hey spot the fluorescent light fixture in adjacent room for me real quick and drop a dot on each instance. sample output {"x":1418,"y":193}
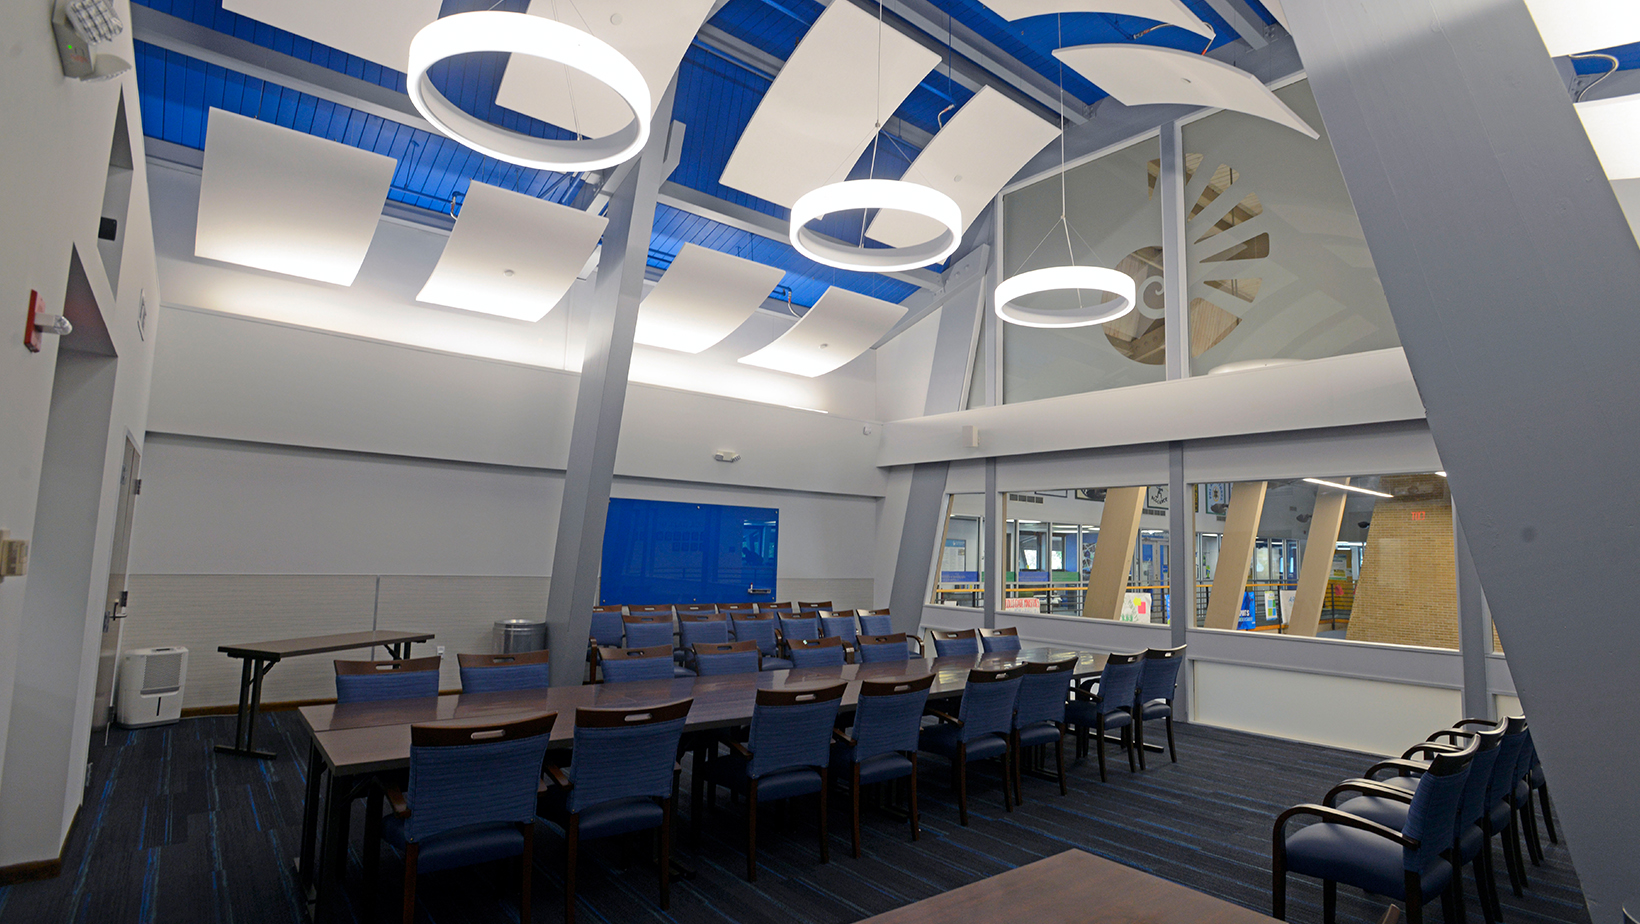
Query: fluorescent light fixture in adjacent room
{"x":1062,"y":279}
{"x":286,"y":201}
{"x":1572,"y":26}
{"x":1614,"y":129}
{"x":652,"y":34}
{"x":538,"y":37}
{"x":512,"y":255}
{"x":703,"y":296}
{"x":1172,"y":12}
{"x":375,"y":30}
{"x":841,"y":326}
{"x":822,"y":110}
{"x":980,"y":148}
{"x":1348,"y":487}
{"x":935,"y":208}
{"x":1142,"y":75}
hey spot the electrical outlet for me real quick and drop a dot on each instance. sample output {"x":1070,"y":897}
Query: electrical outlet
{"x":441,"y":651}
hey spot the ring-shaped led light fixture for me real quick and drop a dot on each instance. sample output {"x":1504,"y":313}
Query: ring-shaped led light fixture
{"x":896,"y":195}
{"x":538,"y":37}
{"x":1056,"y":278}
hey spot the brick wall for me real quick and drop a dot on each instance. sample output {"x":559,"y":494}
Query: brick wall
{"x":1407,"y":593}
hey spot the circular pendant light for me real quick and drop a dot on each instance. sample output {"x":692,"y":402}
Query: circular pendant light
{"x":895,"y":195}
{"x":537,"y":37}
{"x":1062,"y":278}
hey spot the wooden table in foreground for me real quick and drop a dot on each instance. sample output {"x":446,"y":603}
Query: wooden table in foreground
{"x":1073,"y":887}
{"x":260,"y":657}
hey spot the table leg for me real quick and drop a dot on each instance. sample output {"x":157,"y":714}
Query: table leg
{"x":310,"y":821}
{"x":332,"y":866}
{"x":250,"y":700}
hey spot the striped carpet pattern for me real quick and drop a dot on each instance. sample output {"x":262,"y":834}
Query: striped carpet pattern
{"x":173,"y":832}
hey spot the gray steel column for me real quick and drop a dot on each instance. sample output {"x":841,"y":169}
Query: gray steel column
{"x":995,"y":568}
{"x":1175,"y":281}
{"x":599,"y":403}
{"x":1181,"y":565}
{"x":1501,"y":245}
{"x":1474,"y":636}
{"x":912,"y":567}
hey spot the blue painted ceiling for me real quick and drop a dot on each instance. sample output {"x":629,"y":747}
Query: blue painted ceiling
{"x":717,"y":94}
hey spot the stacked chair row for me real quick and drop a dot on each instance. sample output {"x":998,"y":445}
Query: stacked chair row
{"x":1408,"y":826}
{"x":775,"y":630}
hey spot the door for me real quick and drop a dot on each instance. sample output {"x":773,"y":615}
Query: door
{"x":108,"y":656}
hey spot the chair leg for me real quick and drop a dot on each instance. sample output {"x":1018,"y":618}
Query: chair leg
{"x":1010,"y":765}
{"x":1454,"y":888}
{"x":751,"y":831}
{"x":1513,"y":838}
{"x":572,"y":844}
{"x":1548,"y":814}
{"x":961,"y":770}
{"x":372,"y":856}
{"x":668,"y":808}
{"x":1415,"y":900}
{"x":697,"y":793}
{"x":1478,"y":868}
{"x":1329,"y":901}
{"x":825,"y":842}
{"x":526,"y":864}
{"x":1449,"y":907}
{"x":1534,"y":844}
{"x":1139,"y":740}
{"x":1172,"y":752}
{"x":916,"y":827}
{"x":412,"y":851}
{"x":1099,"y":742}
{"x":855,"y":793}
{"x":1130,"y":732}
{"x":1491,"y":879}
{"x":1059,"y":759}
{"x":1278,"y":882}
{"x":1012,"y":779}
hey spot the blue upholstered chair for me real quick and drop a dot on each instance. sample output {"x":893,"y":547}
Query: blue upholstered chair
{"x":803,"y":605}
{"x":1157,"y":683}
{"x":874,"y":622}
{"x":1386,"y":803}
{"x":835,"y":625}
{"x":999,"y":639}
{"x":776,"y":609}
{"x":715,"y":658}
{"x":1410,"y":864}
{"x":620,"y":781}
{"x":369,"y":681}
{"x":955,"y":644}
{"x":786,"y":755}
{"x":646,"y":630}
{"x":1039,"y":715}
{"x":795,"y":628}
{"x":982,"y":728}
{"x":1110,"y":708}
{"x":882,"y":744}
{"x":817,"y":652}
{"x":731,"y":610}
{"x":762,"y":630}
{"x":490,"y":673}
{"x":875,"y":649}
{"x":700,"y":629}
{"x":622,"y":665}
{"x":695,"y":609}
{"x":471,"y":799}
{"x":606,"y":625}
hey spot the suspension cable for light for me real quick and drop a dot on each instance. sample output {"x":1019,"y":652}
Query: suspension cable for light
{"x":894,"y":195}
{"x":538,"y":37}
{"x":1065,"y":278}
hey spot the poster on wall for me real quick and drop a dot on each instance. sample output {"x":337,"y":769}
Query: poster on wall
{"x":1135,"y":608}
{"x":1244,"y":618}
{"x":1023,"y":604}
{"x":1287,"y":597}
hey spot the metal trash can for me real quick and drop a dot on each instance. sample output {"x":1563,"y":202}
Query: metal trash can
{"x":513,"y":635}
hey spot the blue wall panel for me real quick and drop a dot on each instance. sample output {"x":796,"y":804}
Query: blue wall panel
{"x":665,"y":552}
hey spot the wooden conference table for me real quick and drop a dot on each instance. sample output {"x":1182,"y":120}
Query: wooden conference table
{"x":356,"y":741}
{"x":1073,"y":887}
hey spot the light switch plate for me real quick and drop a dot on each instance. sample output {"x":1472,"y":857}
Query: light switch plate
{"x":13,"y":556}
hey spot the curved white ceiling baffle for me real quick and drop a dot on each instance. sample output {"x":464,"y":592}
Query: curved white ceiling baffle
{"x":286,"y":201}
{"x":821,"y":111}
{"x":652,"y":34}
{"x":1168,"y":11}
{"x":979,"y":149}
{"x":1276,"y":10}
{"x":511,"y":255}
{"x":1141,"y":75}
{"x":703,"y":296}
{"x":375,"y":30}
{"x":840,"y":326}
{"x":1572,"y":26}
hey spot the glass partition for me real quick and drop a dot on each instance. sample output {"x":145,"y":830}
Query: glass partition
{"x":960,"y":581}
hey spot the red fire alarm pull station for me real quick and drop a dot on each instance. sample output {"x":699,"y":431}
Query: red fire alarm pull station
{"x":31,"y":334}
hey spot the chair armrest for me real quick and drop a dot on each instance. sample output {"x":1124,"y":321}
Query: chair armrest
{"x":1334,"y":816}
{"x":1367,"y":788}
{"x":740,"y":749}
{"x":1401,"y":768}
{"x":558,"y":776}
{"x":842,"y":737}
{"x":943,"y":717}
{"x":1453,"y":735}
{"x":1465,"y":723}
{"x":1428,"y":749}
{"x":396,"y":800}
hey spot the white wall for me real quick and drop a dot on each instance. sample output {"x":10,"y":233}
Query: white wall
{"x":55,"y":149}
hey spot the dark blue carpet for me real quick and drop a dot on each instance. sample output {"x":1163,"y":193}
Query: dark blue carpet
{"x":172,"y":832}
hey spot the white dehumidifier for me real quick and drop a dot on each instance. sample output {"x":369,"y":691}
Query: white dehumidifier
{"x":151,"y":686}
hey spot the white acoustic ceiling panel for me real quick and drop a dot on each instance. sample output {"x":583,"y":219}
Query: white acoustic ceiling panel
{"x":1168,"y":11}
{"x":1614,"y":130}
{"x":1141,"y":75}
{"x":1276,"y":10}
{"x":652,"y":34}
{"x":840,"y":326}
{"x":375,"y":30}
{"x":979,"y":149}
{"x":512,"y":255}
{"x":702,"y":298}
{"x":287,"y":201}
{"x":822,"y":110}
{"x":1572,"y":26}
